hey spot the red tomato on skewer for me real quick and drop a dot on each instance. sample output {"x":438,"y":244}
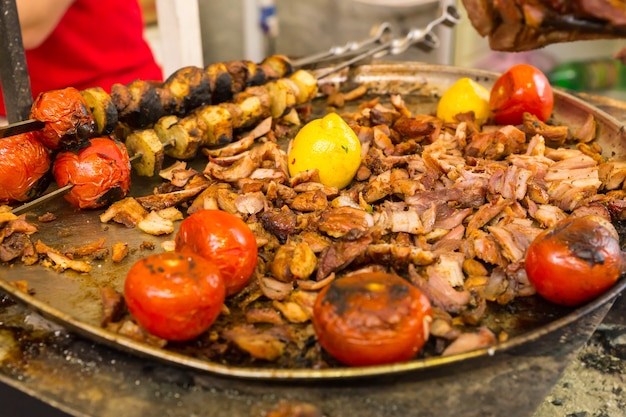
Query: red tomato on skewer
{"x":224,"y":239}
{"x":521,"y":89}
{"x":67,"y":117}
{"x":99,"y":172}
{"x":24,"y":162}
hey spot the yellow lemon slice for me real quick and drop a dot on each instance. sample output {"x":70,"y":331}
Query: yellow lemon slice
{"x":465,"y":95}
{"x":328,"y":145}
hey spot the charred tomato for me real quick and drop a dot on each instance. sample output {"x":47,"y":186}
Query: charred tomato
{"x":521,"y":89}
{"x":575,"y":261}
{"x":225,"y":240}
{"x":174,"y":296}
{"x":371,"y":318}
{"x":99,"y":172}
{"x":24,"y":163}
{"x":67,"y":118}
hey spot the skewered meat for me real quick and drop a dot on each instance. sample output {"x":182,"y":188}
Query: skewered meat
{"x":24,"y":163}
{"x":217,"y":124}
{"x":144,"y":103}
{"x":520,"y":25}
{"x":100,"y":173}
{"x":69,"y":114}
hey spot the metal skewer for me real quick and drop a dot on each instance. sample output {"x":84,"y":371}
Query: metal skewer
{"x":424,"y":36}
{"x":378,"y":33}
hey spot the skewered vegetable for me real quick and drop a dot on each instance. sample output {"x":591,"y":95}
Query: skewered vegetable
{"x":102,"y":108}
{"x":24,"y":163}
{"x":66,"y":114}
{"x":215,"y":125}
{"x":85,"y":113}
{"x":99,"y":173}
{"x":146,"y":145}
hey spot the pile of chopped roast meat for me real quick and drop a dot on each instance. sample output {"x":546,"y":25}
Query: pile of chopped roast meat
{"x":450,"y":207}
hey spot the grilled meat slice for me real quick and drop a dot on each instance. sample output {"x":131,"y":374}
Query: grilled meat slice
{"x":521,"y":25}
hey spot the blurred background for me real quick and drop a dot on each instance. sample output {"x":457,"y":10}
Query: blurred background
{"x":200,"y":32}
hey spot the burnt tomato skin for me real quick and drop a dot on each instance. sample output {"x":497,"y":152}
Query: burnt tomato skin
{"x":100,"y":173}
{"x":521,"y":89}
{"x":224,"y":239}
{"x":574,"y":262}
{"x":24,"y":163}
{"x":68,"y":121}
{"x":174,"y":296}
{"x":371,"y":318}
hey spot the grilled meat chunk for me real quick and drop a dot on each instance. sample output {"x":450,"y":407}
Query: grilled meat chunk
{"x":521,"y":25}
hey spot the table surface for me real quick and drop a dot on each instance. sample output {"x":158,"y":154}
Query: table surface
{"x":65,"y":374}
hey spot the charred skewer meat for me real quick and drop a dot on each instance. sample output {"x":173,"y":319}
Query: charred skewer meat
{"x":521,"y":25}
{"x":71,"y":117}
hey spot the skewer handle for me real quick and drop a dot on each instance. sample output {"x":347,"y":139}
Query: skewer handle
{"x":16,"y":90}
{"x":449,"y":16}
{"x":377,"y":34}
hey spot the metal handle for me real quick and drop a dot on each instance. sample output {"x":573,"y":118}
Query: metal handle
{"x":16,"y":89}
{"x":378,"y":33}
{"x":424,"y":36}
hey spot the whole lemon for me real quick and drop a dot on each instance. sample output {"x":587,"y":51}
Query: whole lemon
{"x":465,"y":95}
{"x":328,"y":145}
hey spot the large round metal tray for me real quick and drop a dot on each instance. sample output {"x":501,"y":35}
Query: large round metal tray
{"x":72,"y":299}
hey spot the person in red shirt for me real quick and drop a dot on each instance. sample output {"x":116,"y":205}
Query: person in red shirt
{"x":84,"y":43}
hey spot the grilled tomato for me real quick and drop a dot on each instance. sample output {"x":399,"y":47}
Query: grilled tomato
{"x":67,"y":118}
{"x":100,"y":173}
{"x":464,"y":96}
{"x":223,"y":239}
{"x":575,"y":261}
{"x":24,"y":162}
{"x":371,"y":318}
{"x":521,"y":89}
{"x":328,"y":145}
{"x":174,"y":296}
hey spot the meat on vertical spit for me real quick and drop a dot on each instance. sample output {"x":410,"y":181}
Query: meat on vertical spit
{"x":521,"y":25}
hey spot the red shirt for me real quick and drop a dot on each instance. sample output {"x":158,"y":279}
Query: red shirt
{"x":96,"y":43}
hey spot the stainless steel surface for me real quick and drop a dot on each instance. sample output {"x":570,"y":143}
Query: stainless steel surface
{"x":83,"y":377}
